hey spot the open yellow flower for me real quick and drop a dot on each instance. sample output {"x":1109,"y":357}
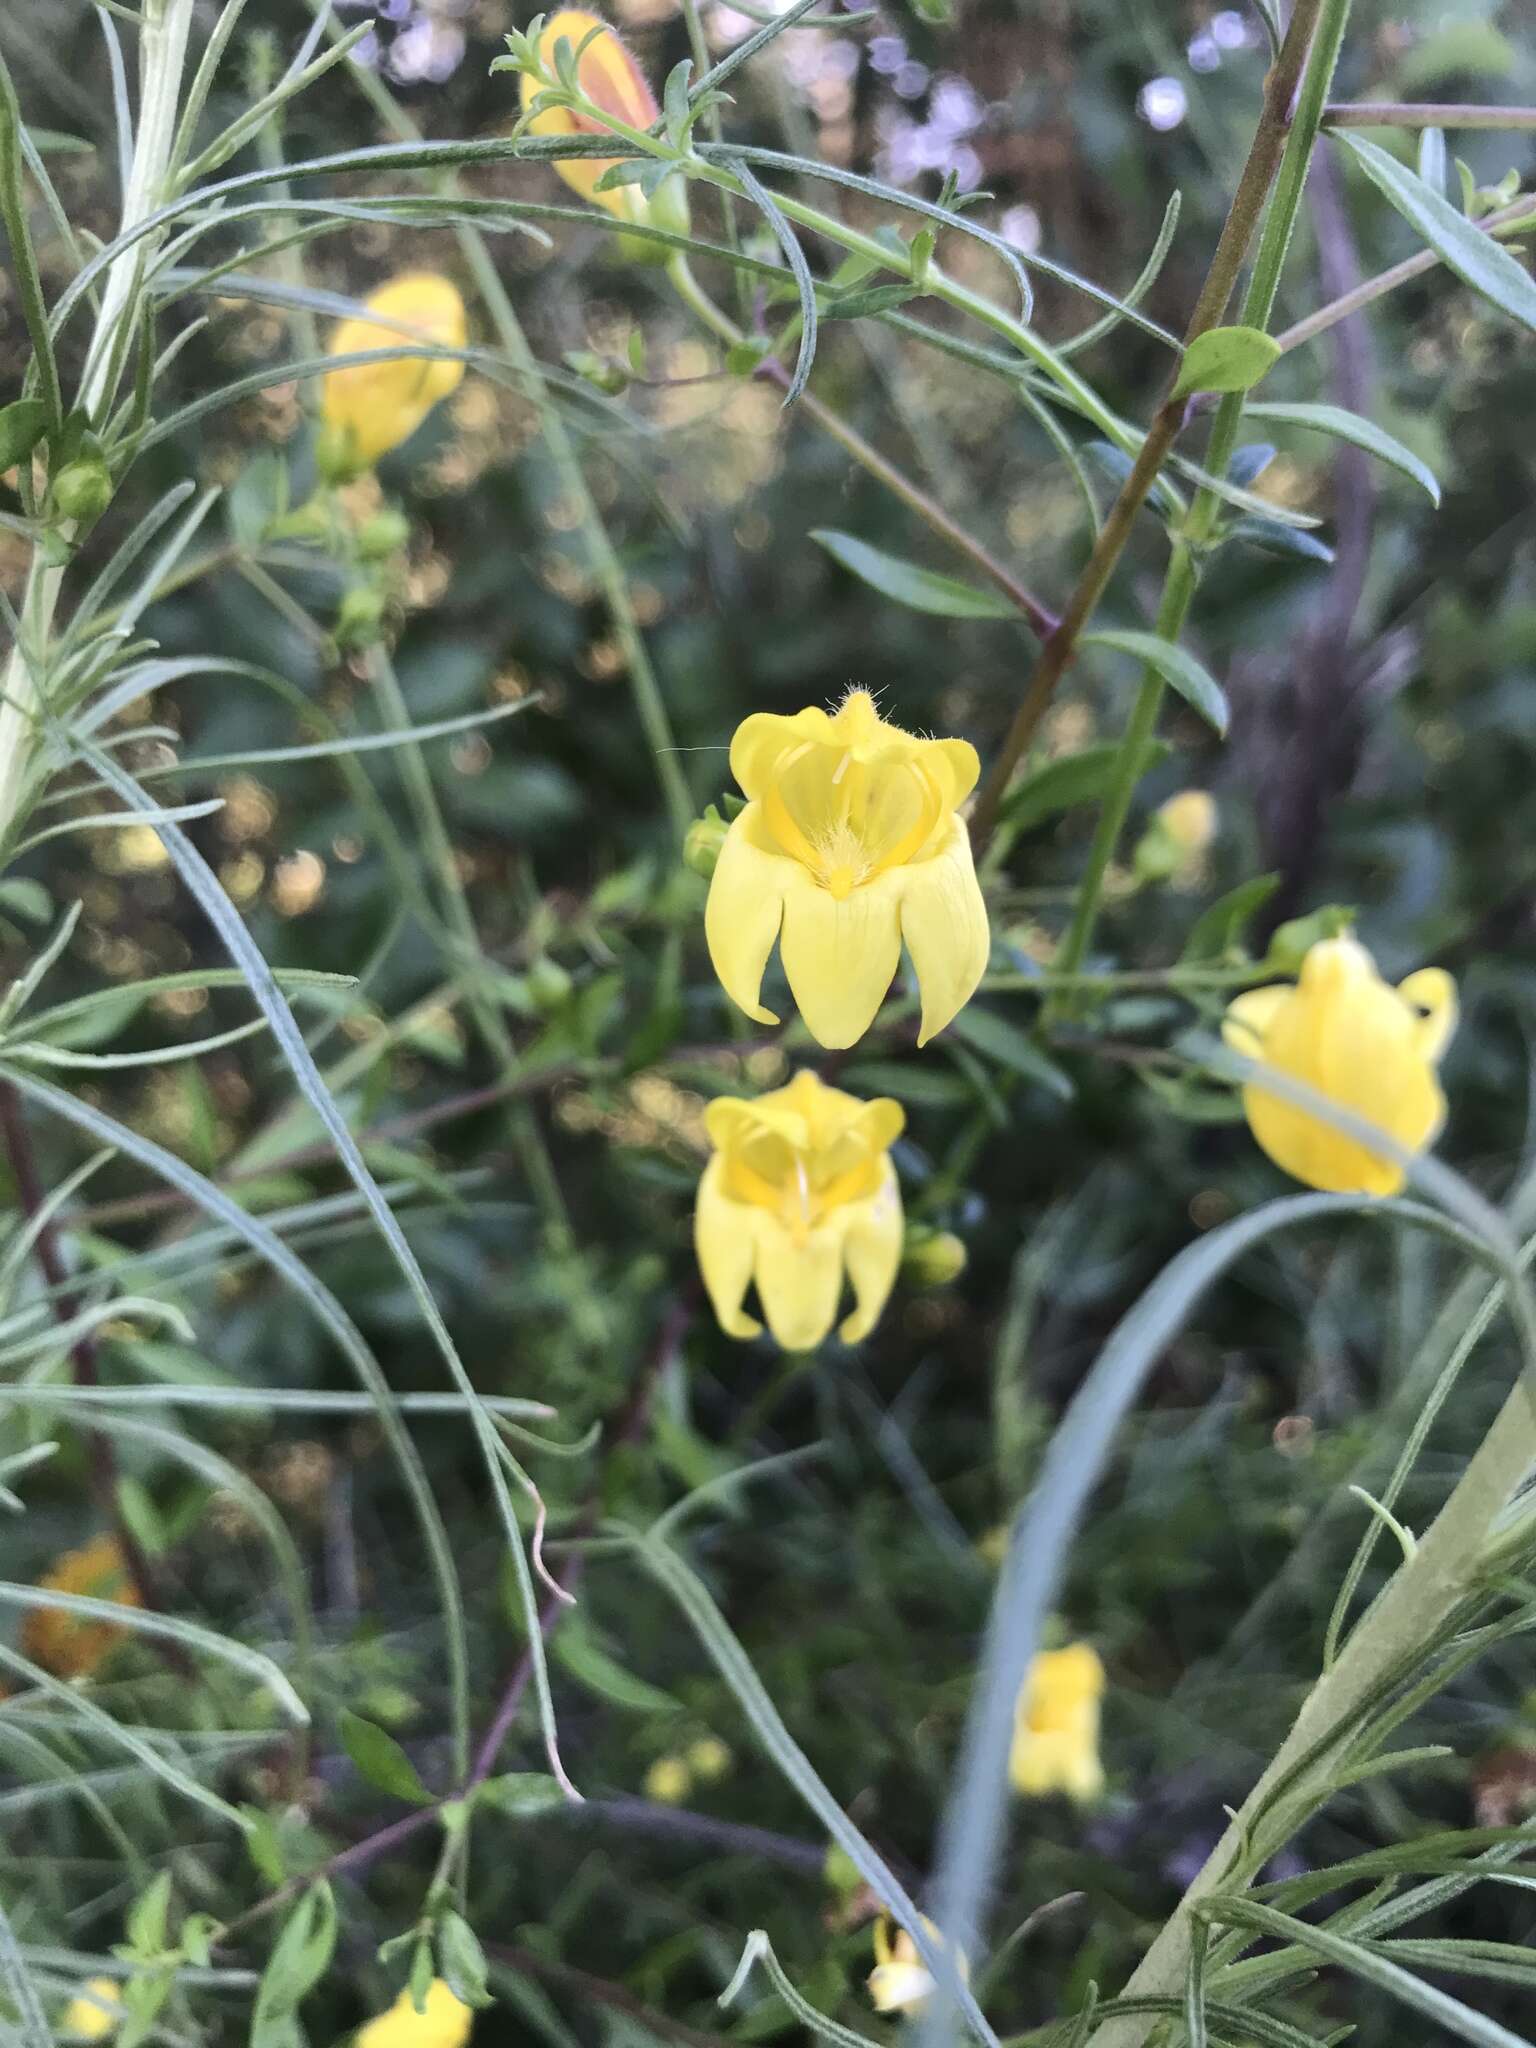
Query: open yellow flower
{"x":800,"y":1192}
{"x":612,"y":80}
{"x":70,"y":1645}
{"x":901,"y":1981}
{"x":95,"y":2011}
{"x":848,"y":845}
{"x":1056,"y":1726}
{"x":1371,"y":1048}
{"x":370,"y":408}
{"x":444,"y":2022}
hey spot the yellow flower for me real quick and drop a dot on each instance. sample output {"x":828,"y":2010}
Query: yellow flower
{"x":901,"y":1981}
{"x":849,"y":841}
{"x":800,"y":1190}
{"x":69,"y":1645}
{"x":444,"y":2023}
{"x":708,"y":1758}
{"x":611,"y":79}
{"x":1056,"y":1726}
{"x":1370,"y":1048}
{"x":372,"y":407}
{"x":668,"y":1781}
{"x":95,"y":2010}
{"x":1189,"y":819}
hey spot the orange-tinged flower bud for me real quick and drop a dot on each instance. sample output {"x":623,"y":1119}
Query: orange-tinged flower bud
{"x":609,"y":77}
{"x":69,"y":1645}
{"x":369,"y":408}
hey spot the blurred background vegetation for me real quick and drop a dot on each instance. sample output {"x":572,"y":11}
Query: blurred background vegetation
{"x":1382,"y":756}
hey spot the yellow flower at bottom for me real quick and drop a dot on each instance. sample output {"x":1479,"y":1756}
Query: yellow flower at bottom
{"x":369,"y":408}
{"x":901,"y":1981}
{"x":70,"y":1645}
{"x":800,"y":1192}
{"x":444,"y":2022}
{"x":95,"y":2011}
{"x":1371,"y":1048}
{"x":848,"y":846}
{"x":1056,"y":1726}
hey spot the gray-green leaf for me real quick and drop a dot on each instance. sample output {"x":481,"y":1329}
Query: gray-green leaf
{"x":924,"y":590}
{"x":1177,"y":667}
{"x":1226,"y":359}
{"x":381,"y":1760}
{"x":1360,"y":433}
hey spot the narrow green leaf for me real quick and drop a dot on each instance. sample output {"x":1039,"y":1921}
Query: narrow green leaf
{"x":1001,"y":1040}
{"x":1080,"y":778}
{"x":1177,"y":667}
{"x":21,"y":428}
{"x":1276,"y":539}
{"x":1219,"y":927}
{"x":577,"y":1651}
{"x":1476,"y":258}
{"x":462,"y":1960}
{"x":13,"y":216}
{"x":518,"y":1794}
{"x":674,"y":100}
{"x":381,"y":1760}
{"x":298,"y":1961}
{"x":1360,"y":433}
{"x":1226,"y":359}
{"x":794,"y":256}
{"x":924,"y":590}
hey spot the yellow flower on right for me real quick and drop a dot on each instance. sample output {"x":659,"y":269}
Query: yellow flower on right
{"x":1371,"y":1048}
{"x":1056,"y":1726}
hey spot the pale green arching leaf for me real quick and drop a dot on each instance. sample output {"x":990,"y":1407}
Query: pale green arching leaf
{"x":1476,"y":258}
{"x":1360,"y":433}
{"x":1174,"y":664}
{"x":924,"y":590}
{"x":1226,"y":359}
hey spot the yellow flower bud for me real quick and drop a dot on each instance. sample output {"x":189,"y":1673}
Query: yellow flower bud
{"x":443,"y":2022}
{"x":610,"y":78}
{"x":370,"y":408}
{"x":799,"y":1193}
{"x":901,"y":1981}
{"x":95,"y":2011}
{"x":668,"y":1781}
{"x":932,"y":1258}
{"x":1190,"y":820}
{"x":708,"y":1758}
{"x":1371,"y":1048}
{"x":67,"y":1644}
{"x":1056,"y":1726}
{"x":849,"y":844}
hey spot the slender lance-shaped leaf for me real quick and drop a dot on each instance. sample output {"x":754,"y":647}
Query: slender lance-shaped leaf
{"x":1360,"y":433}
{"x":1476,"y":258}
{"x":16,"y":1982}
{"x":13,"y":214}
{"x":922,"y":589}
{"x":794,"y":256}
{"x":1178,"y":668}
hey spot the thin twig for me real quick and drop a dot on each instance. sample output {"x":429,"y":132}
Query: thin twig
{"x":1425,"y":114}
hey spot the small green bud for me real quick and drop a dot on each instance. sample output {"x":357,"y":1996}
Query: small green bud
{"x":336,"y":455}
{"x":82,"y":490}
{"x":1293,"y":941}
{"x":703,"y":841}
{"x":360,"y":615}
{"x":384,"y":534}
{"x":549,"y":986}
{"x":600,"y":371}
{"x":931,"y":1258}
{"x":841,"y":1872}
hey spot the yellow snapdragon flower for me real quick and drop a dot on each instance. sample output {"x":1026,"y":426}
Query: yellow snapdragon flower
{"x":848,"y":844}
{"x":901,"y":1981}
{"x":610,"y":79}
{"x":1371,"y":1048}
{"x":1056,"y":1726}
{"x":444,"y":2022}
{"x":70,"y":1645}
{"x":370,"y":408}
{"x":95,"y":2011}
{"x":800,"y":1192}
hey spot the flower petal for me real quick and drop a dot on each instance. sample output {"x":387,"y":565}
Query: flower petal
{"x":761,"y":740}
{"x":1249,"y":1016}
{"x":840,"y":956}
{"x":742,"y":914}
{"x":1433,"y":993}
{"x":872,"y":1250}
{"x":797,"y":1284}
{"x":723,"y":1238}
{"x":944,"y":922}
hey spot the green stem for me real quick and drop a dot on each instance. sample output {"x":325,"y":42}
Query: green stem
{"x":869,"y":458}
{"x":1430,"y":114}
{"x":1183,"y":573}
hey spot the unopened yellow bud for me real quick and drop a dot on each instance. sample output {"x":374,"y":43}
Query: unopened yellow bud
{"x":932,"y":1258}
{"x":1190,"y":819}
{"x":95,"y":2011}
{"x":668,"y":1781}
{"x":708,"y":1758}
